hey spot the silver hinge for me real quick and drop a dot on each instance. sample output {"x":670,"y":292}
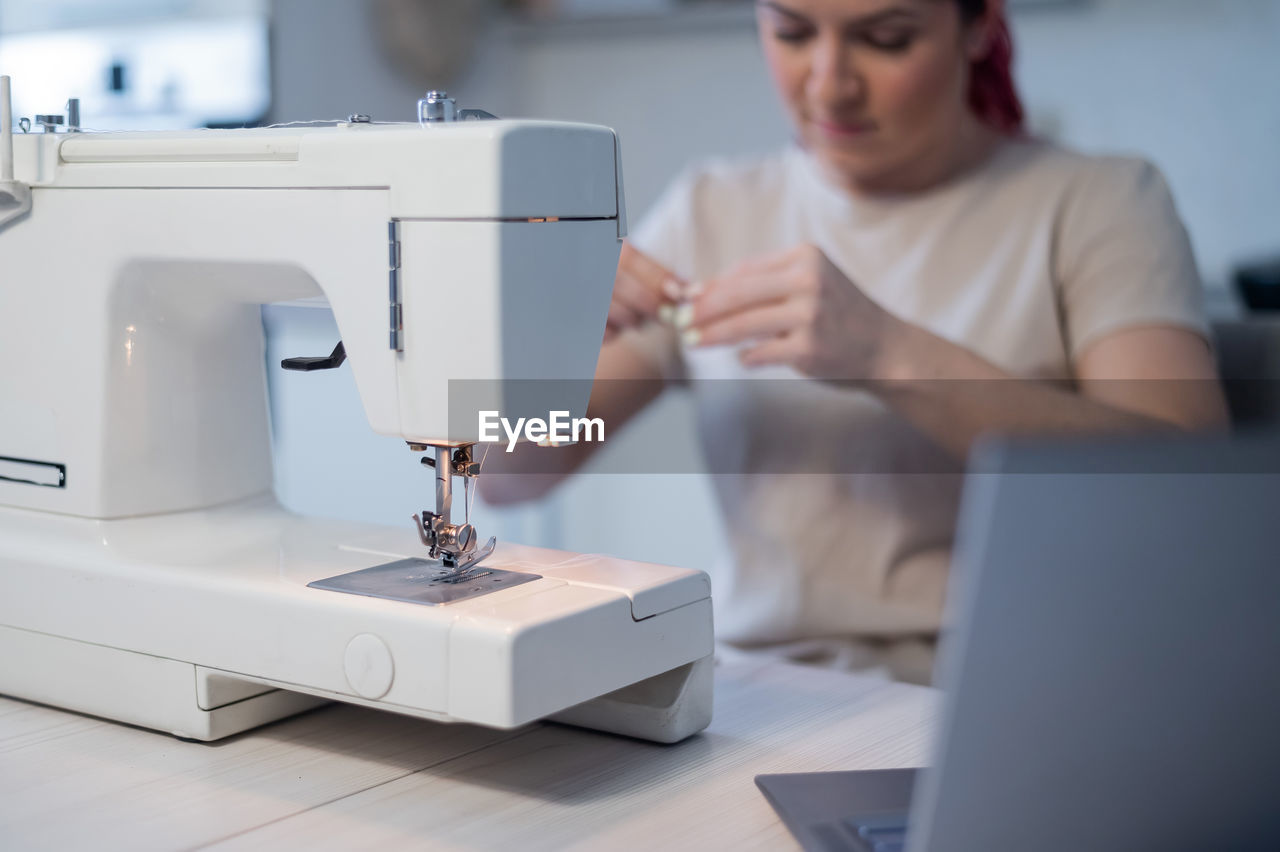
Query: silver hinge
{"x":619,"y":194}
{"x":393,"y":288}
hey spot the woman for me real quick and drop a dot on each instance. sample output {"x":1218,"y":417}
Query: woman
{"x":916,"y":246}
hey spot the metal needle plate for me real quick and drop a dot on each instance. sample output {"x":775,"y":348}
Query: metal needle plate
{"x":423,"y":581}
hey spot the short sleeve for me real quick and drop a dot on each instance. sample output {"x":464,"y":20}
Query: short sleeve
{"x":666,"y":233}
{"x":1123,"y":258}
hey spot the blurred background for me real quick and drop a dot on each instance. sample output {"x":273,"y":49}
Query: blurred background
{"x":1192,"y":86}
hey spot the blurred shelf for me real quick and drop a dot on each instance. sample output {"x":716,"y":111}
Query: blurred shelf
{"x":663,"y":19}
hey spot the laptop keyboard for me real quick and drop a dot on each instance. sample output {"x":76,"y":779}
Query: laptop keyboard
{"x":880,"y":833}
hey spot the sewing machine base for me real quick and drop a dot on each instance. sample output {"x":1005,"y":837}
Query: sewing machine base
{"x":203,"y":624}
{"x":198,"y":703}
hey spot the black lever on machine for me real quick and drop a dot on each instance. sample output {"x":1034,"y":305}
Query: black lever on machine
{"x":324,"y":362}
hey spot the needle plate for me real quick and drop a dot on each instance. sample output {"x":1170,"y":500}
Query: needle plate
{"x":422,"y":581}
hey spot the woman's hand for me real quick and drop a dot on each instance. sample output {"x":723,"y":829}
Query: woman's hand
{"x":794,"y":308}
{"x":641,"y":288}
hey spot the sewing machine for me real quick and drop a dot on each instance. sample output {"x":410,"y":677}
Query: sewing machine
{"x":147,"y":573}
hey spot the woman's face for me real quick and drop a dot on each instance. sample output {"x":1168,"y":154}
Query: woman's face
{"x":876,"y":88}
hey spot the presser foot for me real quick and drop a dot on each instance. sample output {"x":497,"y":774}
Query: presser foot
{"x":453,"y":544}
{"x":470,"y":564}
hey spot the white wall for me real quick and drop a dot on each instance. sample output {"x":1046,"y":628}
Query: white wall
{"x":1193,"y":85}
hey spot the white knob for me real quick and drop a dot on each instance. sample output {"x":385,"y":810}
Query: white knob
{"x":369,"y":667}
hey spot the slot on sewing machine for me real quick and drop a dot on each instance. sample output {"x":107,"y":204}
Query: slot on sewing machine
{"x":133,"y":567}
{"x":47,"y":474}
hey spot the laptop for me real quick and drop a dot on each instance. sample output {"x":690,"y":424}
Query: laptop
{"x":1112,"y":681}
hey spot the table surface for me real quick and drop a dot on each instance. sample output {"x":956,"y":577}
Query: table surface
{"x":344,"y":777}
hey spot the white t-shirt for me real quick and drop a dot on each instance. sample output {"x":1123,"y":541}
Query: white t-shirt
{"x":1025,"y":260}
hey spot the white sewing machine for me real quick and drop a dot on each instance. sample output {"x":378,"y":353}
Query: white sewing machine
{"x":147,"y":573}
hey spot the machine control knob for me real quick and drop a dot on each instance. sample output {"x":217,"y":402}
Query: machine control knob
{"x":436,"y":106}
{"x":368,"y":666}
{"x":50,"y":123}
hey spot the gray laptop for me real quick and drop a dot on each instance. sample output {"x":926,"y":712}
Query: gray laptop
{"x":1112,"y":681}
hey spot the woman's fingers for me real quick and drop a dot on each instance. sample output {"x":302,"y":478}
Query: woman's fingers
{"x":776,"y":350}
{"x":640,"y":288}
{"x":621,"y":316}
{"x":640,"y":296}
{"x":649,"y":279}
{"x":752,"y":323}
{"x":724,"y":297}
{"x":766,"y":279}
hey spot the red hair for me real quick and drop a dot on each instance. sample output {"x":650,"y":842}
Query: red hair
{"x":992,"y":93}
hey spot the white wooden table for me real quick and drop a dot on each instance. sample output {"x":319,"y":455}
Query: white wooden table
{"x":345,"y":777}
